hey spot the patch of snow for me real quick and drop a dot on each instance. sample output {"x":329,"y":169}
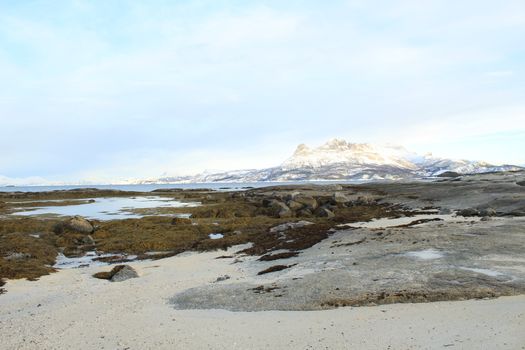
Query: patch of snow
{"x":216,"y":235}
{"x":485,"y":272}
{"x":427,"y":254}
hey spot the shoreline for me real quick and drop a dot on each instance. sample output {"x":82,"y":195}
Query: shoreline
{"x":71,"y":309}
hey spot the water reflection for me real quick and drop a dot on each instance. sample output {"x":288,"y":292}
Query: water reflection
{"x":108,"y":208}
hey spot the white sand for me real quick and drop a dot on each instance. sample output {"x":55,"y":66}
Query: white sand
{"x":405,"y":220}
{"x":72,"y":310}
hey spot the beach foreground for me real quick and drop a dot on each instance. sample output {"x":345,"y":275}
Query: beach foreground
{"x":72,"y":310}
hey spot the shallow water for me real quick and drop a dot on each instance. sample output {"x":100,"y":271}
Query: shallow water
{"x":219,"y":186}
{"x":107,"y":208}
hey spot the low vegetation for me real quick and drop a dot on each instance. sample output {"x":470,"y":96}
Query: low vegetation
{"x":29,"y":246}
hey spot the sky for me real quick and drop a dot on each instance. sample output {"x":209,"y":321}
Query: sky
{"x":109,"y":89}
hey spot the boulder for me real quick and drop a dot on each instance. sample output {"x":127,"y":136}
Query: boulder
{"x":340,"y":198}
{"x":324,"y":213}
{"x":294,"y":205}
{"x":269,"y":202}
{"x":292,"y":196}
{"x":307,"y":201}
{"x":124,"y":273}
{"x":468,"y":212}
{"x":280,"y":209}
{"x":118,"y":274}
{"x":364,"y":200}
{"x":306,"y":213}
{"x":79,"y":224}
{"x":285,"y":213}
{"x":487,"y":212}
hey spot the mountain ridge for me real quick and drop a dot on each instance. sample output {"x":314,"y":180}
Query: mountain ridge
{"x":338,"y":159}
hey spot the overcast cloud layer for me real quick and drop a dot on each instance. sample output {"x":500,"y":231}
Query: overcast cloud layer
{"x":105,"y":90}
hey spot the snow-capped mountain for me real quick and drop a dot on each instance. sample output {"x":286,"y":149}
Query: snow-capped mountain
{"x":341,"y":160}
{"x":339,"y":151}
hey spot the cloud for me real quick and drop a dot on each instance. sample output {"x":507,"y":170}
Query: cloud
{"x":137,"y":88}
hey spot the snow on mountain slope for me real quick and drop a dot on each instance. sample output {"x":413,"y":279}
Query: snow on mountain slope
{"x":341,"y":160}
{"x":339,"y":151}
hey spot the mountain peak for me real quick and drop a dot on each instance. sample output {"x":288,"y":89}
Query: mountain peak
{"x":338,"y":151}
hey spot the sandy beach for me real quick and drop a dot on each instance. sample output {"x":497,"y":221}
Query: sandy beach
{"x":72,"y":310}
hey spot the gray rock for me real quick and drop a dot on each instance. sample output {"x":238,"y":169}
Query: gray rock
{"x":17,"y":256}
{"x":445,"y":211}
{"x":289,"y":225}
{"x":124,"y":272}
{"x":339,"y":197}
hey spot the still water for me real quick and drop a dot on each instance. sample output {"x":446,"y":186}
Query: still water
{"x":107,"y":208}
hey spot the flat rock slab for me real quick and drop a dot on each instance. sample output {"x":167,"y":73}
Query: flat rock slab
{"x":434,"y":261}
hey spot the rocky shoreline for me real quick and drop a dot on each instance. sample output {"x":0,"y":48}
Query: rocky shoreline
{"x":311,"y":245}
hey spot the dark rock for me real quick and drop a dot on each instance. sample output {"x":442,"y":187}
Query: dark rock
{"x":88,"y":240}
{"x":269,"y":202}
{"x":285,"y":213}
{"x":449,"y":174}
{"x":487,"y":212}
{"x":364,"y":200}
{"x":292,"y":196}
{"x":468,"y":212}
{"x":181,"y":221}
{"x":520,"y":183}
{"x":324,"y":213}
{"x":222,"y":278}
{"x":304,"y":213}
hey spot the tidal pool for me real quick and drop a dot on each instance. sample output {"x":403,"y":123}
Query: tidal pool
{"x":110,"y":208}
